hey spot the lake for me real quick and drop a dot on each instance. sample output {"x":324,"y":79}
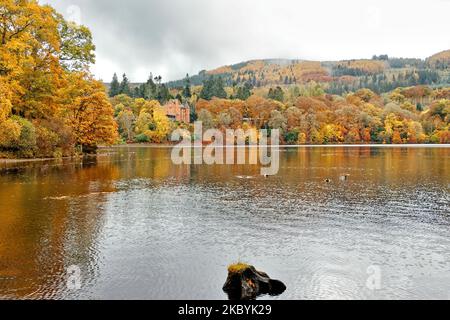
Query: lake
{"x":137,"y":226}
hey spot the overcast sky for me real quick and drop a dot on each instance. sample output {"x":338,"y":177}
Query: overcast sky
{"x":175,"y":37}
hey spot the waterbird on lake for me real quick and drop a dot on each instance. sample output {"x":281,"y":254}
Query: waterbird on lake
{"x":345,"y":177}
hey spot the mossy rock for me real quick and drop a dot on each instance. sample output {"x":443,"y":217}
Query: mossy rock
{"x":90,"y":149}
{"x":244,"y":282}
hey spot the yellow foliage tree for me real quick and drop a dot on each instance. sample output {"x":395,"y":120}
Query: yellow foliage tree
{"x":9,"y":133}
{"x":30,"y":43}
{"x":41,"y":90}
{"x":144,"y":122}
{"x":5,"y":100}
{"x":162,"y":126}
{"x":89,"y":112}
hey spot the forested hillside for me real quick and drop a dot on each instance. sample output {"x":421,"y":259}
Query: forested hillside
{"x":380,"y":74}
{"x":381,"y":100}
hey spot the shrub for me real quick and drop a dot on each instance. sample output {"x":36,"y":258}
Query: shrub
{"x":435,"y":138}
{"x":9,"y":134}
{"x":444,"y":136}
{"x":58,"y":154}
{"x":301,"y":138}
{"x":141,"y":138}
{"x":18,"y":135}
{"x":291,"y":137}
{"x":46,"y":141}
{"x":27,"y":140}
{"x":54,"y":135}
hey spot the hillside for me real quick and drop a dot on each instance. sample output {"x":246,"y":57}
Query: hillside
{"x":381,"y":73}
{"x":440,"y":60}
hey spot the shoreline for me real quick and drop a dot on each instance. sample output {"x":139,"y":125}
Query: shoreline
{"x":165,"y":146}
{"x":6,"y":161}
{"x":19,"y":160}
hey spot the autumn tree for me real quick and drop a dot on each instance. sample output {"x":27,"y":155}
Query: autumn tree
{"x":293,"y":118}
{"x":5,"y":100}
{"x":126,"y":121}
{"x":206,"y":118}
{"x":277,"y":121}
{"x":89,"y":112}
{"x":42,"y":59}
{"x":260,"y":109}
{"x":161,"y":126}
{"x":30,"y":43}
{"x":152,"y":123}
{"x":76,"y":45}
{"x":276,"y":94}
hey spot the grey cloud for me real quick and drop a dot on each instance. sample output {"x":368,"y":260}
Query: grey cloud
{"x":168,"y":37}
{"x":174,"y":37}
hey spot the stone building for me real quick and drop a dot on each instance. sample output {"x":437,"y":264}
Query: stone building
{"x":177,"y":111}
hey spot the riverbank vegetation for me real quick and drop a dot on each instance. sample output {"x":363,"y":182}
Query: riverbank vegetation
{"x":383,"y":100}
{"x":304,"y":114}
{"x":50,"y":104}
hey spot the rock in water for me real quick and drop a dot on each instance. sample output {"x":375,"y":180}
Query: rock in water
{"x":244,"y":282}
{"x":90,"y":149}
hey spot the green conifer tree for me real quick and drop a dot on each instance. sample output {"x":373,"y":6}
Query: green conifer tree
{"x":114,"y":89}
{"x":187,"y":93}
{"x":125,"y":86}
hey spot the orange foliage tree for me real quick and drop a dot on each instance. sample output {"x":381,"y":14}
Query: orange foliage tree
{"x":44,"y":80}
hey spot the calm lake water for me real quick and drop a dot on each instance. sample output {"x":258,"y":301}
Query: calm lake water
{"x":138,"y":226}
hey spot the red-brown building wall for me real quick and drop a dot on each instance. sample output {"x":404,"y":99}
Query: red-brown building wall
{"x":177,"y":111}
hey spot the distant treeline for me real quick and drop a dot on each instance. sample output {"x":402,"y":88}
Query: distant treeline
{"x":381,"y":74}
{"x":304,"y":114}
